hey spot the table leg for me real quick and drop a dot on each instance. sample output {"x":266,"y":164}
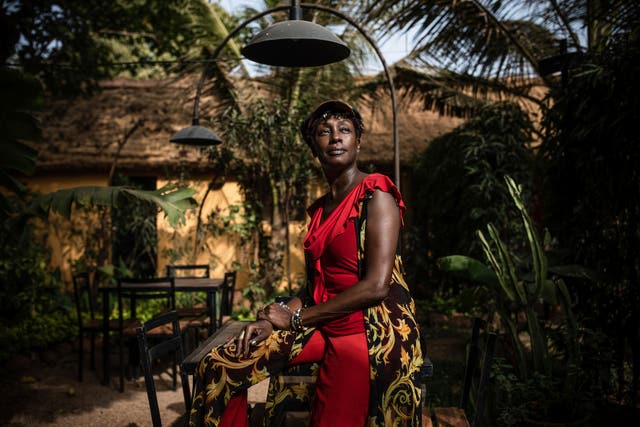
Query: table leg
{"x":105,"y":339}
{"x":213,"y":324}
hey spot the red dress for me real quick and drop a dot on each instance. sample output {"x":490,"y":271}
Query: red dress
{"x":342,"y":389}
{"x":368,"y":358}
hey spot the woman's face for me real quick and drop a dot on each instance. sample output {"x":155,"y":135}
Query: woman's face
{"x":335,"y":141}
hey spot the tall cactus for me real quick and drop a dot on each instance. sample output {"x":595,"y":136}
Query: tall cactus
{"x":518,"y":291}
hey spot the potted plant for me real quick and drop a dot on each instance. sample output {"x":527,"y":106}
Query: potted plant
{"x":541,"y":370}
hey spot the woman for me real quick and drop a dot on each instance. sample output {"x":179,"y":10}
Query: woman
{"x":356,"y":317}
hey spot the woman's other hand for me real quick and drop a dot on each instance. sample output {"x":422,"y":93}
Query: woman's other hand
{"x":278,"y":314}
{"x":251,"y":336}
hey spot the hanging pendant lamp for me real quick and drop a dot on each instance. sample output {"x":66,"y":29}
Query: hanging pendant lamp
{"x":296,"y":43}
{"x":292,"y":43}
{"x":196,"y":135}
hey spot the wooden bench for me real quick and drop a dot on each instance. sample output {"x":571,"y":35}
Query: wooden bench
{"x":220,"y":336}
{"x":444,"y":417}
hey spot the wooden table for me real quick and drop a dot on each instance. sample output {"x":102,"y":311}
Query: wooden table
{"x":209,"y":285}
{"x":229,"y":329}
{"x":226,"y":331}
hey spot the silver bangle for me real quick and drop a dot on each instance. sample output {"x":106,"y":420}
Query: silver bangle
{"x":285,"y":306}
{"x":296,"y":321}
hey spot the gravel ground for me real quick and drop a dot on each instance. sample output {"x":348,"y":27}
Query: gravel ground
{"x":43,"y":390}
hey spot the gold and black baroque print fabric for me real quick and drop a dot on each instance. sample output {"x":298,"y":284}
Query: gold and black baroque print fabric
{"x":395,"y":356}
{"x":221,"y":373}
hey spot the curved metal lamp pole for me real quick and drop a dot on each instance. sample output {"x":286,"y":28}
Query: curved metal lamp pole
{"x":182,"y":136}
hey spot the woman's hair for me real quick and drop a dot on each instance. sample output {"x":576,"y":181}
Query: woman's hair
{"x":328,"y":109}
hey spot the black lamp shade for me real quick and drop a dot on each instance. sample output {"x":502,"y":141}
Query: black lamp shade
{"x":196,"y":135}
{"x":296,"y":43}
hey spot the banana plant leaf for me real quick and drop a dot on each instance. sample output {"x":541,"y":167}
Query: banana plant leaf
{"x":469,"y":268}
{"x":172,"y":200}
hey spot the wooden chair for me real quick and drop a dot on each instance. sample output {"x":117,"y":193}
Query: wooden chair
{"x":479,"y":357}
{"x":191,"y":271}
{"x":225,"y":306}
{"x":158,"y":338}
{"x":192,"y":319}
{"x":85,"y":303}
{"x":89,"y":324}
{"x":188,"y":270}
{"x":127,"y":327}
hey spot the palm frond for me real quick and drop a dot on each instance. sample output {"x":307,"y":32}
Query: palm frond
{"x":492,"y":39}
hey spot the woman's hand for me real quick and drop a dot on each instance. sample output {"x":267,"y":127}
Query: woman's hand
{"x":278,"y":314}
{"x":252,"y":335}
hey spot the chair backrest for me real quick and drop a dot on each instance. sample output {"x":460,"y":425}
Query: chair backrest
{"x":227,"y":291}
{"x":188,"y":270}
{"x":171,"y":343}
{"x":147,"y":289}
{"x":84,"y":296}
{"x":479,"y":356}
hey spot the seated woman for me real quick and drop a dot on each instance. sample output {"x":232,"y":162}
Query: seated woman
{"x":355,"y":316}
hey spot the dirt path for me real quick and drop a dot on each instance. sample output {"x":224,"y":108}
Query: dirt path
{"x":44,"y":391}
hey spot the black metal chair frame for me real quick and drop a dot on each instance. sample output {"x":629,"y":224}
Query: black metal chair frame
{"x":476,"y":350}
{"x":172,"y":270}
{"x":193,"y":319}
{"x":85,"y":301}
{"x":133,"y":296}
{"x":473,"y":356}
{"x":228,"y":290}
{"x":169,"y":343}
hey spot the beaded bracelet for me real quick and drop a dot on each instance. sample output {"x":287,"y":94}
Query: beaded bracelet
{"x":296,"y":321}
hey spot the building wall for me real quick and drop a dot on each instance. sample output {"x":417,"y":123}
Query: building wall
{"x":67,"y":238}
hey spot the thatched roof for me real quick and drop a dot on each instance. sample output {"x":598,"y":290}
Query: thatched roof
{"x":83,"y":133}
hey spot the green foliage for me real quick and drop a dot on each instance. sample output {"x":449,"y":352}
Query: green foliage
{"x":27,"y":285}
{"x":70,"y":45}
{"x":264,"y":151}
{"x":458,"y":187}
{"x":544,"y":351}
{"x":592,"y":186}
{"x":36,"y":333}
{"x":19,"y":129}
{"x":34,"y":311}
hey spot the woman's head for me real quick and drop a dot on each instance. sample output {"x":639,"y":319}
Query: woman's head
{"x":336,"y":109}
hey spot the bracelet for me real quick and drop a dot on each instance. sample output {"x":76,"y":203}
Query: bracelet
{"x":296,"y":321}
{"x":285,"y":306}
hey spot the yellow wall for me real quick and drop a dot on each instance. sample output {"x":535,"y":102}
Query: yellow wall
{"x":64,"y":236}
{"x":175,"y":245}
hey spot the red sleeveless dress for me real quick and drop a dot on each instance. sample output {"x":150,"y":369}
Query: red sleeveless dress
{"x":351,"y":357}
{"x":342,"y":389}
